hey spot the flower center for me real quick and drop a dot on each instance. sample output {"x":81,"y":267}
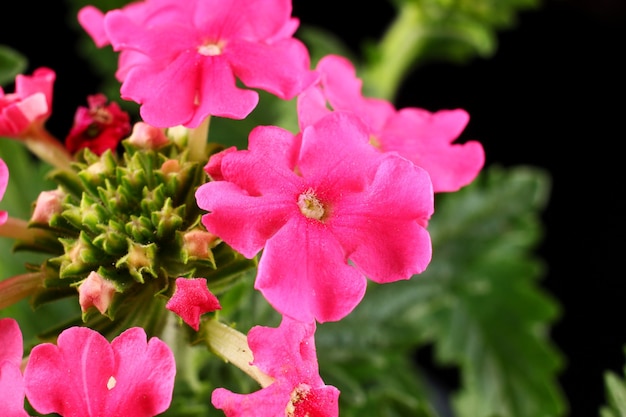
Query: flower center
{"x":210,"y":49}
{"x":298,"y":395}
{"x":111,"y":383}
{"x":310,"y":206}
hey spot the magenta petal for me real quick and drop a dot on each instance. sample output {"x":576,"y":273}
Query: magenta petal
{"x":427,"y":139}
{"x":314,"y":282}
{"x":12,"y":390}
{"x":242,"y":221}
{"x":11,"y":344}
{"x":92,"y":21}
{"x":282,"y":68}
{"x":144,"y":376}
{"x":394,"y":209}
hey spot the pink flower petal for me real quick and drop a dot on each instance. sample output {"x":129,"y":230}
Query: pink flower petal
{"x":327,"y":287}
{"x":11,"y":344}
{"x":4,"y":181}
{"x":12,"y":389}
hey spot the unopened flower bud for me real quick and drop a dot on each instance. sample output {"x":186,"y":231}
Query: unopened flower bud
{"x":146,"y":136}
{"x":95,"y":291}
{"x":48,"y":205}
{"x":198,"y":244}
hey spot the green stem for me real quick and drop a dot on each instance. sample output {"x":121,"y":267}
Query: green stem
{"x":47,"y":148}
{"x":398,"y":50}
{"x":198,"y":140}
{"x":232,"y":346}
{"x":18,"y":229}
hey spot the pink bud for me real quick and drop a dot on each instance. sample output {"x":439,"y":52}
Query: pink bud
{"x":48,"y":204}
{"x":147,"y":137}
{"x":95,"y":291}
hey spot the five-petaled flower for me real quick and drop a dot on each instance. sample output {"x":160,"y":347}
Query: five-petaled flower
{"x":287,"y":354}
{"x":423,"y":137}
{"x":191,"y":299}
{"x":84,"y":375}
{"x":11,"y":380}
{"x":326,"y":208}
{"x":181,"y":59}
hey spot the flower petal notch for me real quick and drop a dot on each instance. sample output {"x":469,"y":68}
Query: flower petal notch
{"x":191,"y":299}
{"x":181,"y":60}
{"x":328,"y":210}
{"x":421,"y":136}
{"x":84,"y":375}
{"x":287,"y":354}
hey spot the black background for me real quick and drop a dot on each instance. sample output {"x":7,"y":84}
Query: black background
{"x":552,"y":96}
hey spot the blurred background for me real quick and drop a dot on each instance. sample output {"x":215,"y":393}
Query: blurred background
{"x":551,"y":96}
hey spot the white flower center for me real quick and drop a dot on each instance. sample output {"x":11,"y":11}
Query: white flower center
{"x":298,"y":395}
{"x":310,"y":206}
{"x":210,"y":49}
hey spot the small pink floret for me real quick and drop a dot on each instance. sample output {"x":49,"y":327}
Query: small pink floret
{"x":191,"y":299}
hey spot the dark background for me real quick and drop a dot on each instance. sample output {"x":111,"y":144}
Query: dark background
{"x":552,"y":96}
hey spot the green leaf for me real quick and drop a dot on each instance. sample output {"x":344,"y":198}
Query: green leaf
{"x":12,"y":63}
{"x":616,"y":395}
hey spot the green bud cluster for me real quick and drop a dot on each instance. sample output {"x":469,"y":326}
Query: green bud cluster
{"x":128,"y":218}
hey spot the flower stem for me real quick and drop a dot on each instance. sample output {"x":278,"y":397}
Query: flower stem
{"x":399,"y":48}
{"x":47,"y":148}
{"x":198,"y":140}
{"x":232,"y":346}
{"x":19,"y":287}
{"x":18,"y":229}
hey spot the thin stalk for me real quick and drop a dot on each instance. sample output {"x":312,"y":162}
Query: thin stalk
{"x":198,"y":139}
{"x":400,"y":47}
{"x":232,"y":346}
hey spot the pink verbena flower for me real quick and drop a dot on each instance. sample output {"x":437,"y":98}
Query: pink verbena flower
{"x":423,"y":137}
{"x":86,"y":376}
{"x":99,"y":127}
{"x":29,"y":106}
{"x":326,"y":208}
{"x":191,"y":299}
{"x":182,"y":58}
{"x":4,"y":181}
{"x":11,"y":380}
{"x":287,"y":354}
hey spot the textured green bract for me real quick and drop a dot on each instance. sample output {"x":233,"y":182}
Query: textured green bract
{"x":478,"y":304}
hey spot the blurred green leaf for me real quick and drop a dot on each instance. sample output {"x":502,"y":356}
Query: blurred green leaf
{"x":615,"y":386}
{"x":11,"y":64}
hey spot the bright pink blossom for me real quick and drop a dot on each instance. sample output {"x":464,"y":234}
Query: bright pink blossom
{"x":11,"y":381}
{"x":84,"y":375}
{"x":287,"y":354}
{"x":191,"y":299}
{"x":423,"y":137}
{"x":181,"y":59}
{"x":4,"y":181}
{"x":29,"y":106}
{"x":326,"y":208}
{"x":99,"y":127}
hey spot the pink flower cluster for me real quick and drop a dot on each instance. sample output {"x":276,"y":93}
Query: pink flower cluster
{"x":345,"y":199}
